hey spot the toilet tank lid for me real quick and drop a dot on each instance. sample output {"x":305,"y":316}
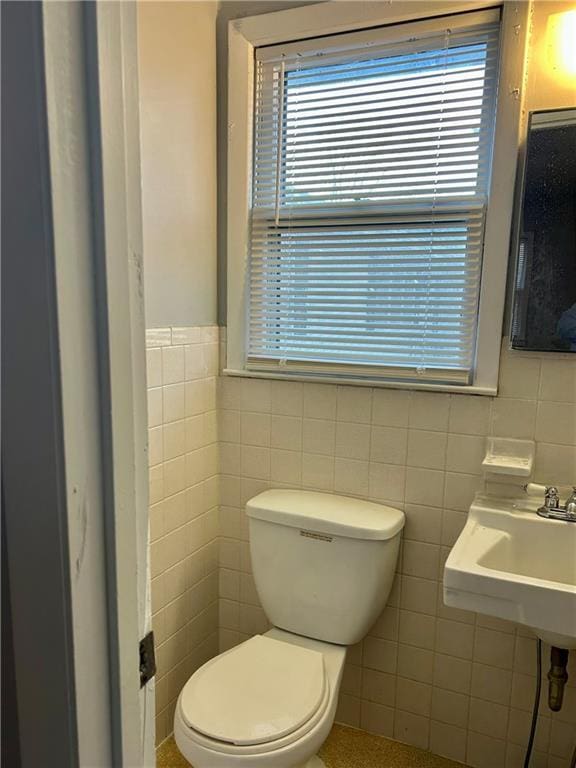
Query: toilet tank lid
{"x":327,"y":513}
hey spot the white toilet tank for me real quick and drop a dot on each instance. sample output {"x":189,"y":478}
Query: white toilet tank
{"x":323,"y":564}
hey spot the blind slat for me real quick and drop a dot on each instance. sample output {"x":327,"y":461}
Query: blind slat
{"x":419,"y":77}
{"x":412,"y":112}
{"x":371,"y":174}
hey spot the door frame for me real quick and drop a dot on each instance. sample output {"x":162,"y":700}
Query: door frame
{"x":76,"y":495}
{"x":112,"y":80}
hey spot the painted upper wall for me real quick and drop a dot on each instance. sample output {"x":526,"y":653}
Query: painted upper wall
{"x":549,"y":85}
{"x":177,"y":72}
{"x":184,"y":209}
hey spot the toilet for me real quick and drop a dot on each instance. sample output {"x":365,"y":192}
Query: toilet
{"x":323,"y":566}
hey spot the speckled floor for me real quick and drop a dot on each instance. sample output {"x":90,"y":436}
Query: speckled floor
{"x":344,"y":748}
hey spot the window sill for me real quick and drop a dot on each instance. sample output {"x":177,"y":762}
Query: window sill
{"x":363,"y":382}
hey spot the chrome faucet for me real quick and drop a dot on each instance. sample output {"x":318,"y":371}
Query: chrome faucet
{"x":553,"y":510}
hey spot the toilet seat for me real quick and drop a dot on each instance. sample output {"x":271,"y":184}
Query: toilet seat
{"x":259,"y":696}
{"x":228,"y":749}
{"x":294,"y":748}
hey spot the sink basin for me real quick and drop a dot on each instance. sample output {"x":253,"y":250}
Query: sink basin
{"x":514,"y":565}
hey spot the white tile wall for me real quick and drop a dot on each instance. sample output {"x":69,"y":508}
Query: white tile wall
{"x":450,"y":681}
{"x":184,"y":499}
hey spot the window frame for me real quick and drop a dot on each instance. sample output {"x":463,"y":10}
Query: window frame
{"x":333,"y":17}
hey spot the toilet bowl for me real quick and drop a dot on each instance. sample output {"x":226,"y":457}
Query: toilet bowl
{"x":267,"y":703}
{"x":323,"y":567}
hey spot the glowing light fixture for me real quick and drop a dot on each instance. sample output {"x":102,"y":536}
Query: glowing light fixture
{"x":561,"y":43}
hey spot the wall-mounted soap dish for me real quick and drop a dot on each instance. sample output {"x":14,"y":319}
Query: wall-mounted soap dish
{"x":505,"y":456}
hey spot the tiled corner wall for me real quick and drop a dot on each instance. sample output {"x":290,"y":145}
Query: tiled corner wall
{"x":458,"y":684}
{"x":183,"y":457}
{"x":450,"y":681}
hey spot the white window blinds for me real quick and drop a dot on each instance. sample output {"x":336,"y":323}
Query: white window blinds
{"x":371,"y":172}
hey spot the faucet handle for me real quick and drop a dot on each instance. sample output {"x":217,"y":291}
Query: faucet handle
{"x":552,"y":497}
{"x":571,"y":501}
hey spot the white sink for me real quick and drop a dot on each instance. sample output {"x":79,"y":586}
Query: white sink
{"x":510,"y":563}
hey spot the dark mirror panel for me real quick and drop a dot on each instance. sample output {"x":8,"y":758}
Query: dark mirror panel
{"x":544,"y":309}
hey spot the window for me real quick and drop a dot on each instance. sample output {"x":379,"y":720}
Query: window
{"x":371,"y":177}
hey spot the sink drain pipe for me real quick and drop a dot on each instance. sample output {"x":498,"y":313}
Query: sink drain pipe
{"x":557,"y":678}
